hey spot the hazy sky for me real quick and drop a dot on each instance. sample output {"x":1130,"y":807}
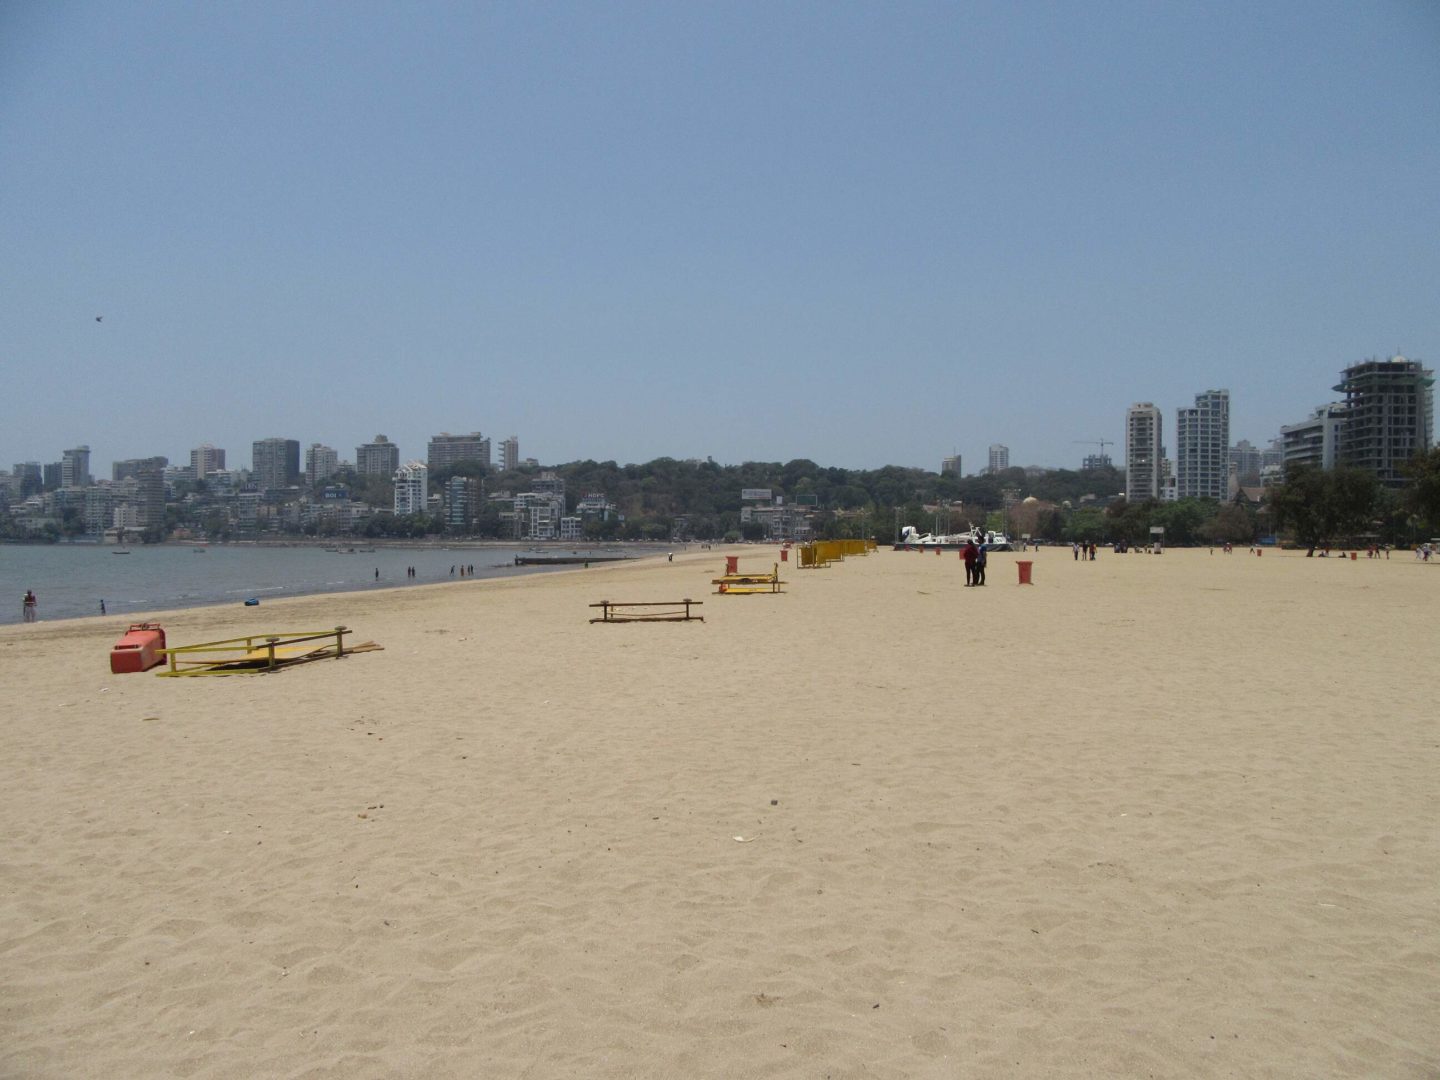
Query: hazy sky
{"x":865,"y":234}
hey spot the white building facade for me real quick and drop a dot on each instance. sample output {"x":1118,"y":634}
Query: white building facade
{"x":1202,"y":447}
{"x":1144,"y":453}
{"x":411,"y":480}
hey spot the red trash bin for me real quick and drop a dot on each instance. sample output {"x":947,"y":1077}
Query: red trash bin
{"x":1024,"y":568}
{"x":138,"y":650}
{"x":732,"y":564}
{"x":784,"y":554}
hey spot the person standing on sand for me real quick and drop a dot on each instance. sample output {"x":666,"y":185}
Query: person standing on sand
{"x":980,"y":559}
{"x":970,"y":554}
{"x":28,"y":605}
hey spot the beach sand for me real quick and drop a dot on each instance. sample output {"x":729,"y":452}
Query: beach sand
{"x":1168,"y":816}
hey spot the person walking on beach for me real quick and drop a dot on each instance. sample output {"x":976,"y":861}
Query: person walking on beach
{"x":27,"y":606}
{"x":970,"y":554}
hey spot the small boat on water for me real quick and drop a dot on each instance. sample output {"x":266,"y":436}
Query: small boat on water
{"x":120,"y":551}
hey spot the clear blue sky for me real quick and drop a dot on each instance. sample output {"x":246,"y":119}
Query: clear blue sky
{"x":865,"y":234}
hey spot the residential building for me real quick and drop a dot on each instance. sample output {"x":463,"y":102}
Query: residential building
{"x":448,"y":450}
{"x":321,"y":463}
{"x":1093,"y":462}
{"x":206,"y":459}
{"x":462,"y":501}
{"x":130,"y":468}
{"x":75,"y":468}
{"x":1143,"y":452}
{"x":1314,"y":441}
{"x":1390,"y":406}
{"x":950,"y":466}
{"x":1246,"y":460}
{"x":378,"y":458}
{"x":97,"y":503}
{"x":999,"y":459}
{"x":594,"y":505}
{"x":29,"y":480}
{"x":275,"y":463}
{"x":1202,"y":447}
{"x":510,"y":454}
{"x":149,"y":497}
{"x":411,"y":481}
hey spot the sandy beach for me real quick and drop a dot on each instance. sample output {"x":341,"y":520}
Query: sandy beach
{"x":1155,"y":816}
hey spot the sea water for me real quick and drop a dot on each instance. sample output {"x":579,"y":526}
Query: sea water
{"x":71,"y":580}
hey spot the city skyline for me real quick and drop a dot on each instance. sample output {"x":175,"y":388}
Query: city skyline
{"x":864,"y":236}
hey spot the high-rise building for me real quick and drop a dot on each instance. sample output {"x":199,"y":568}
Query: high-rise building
{"x":275,"y":463}
{"x":1245,"y":462}
{"x":999,"y":459}
{"x":321,"y":463}
{"x":378,"y":458}
{"x":950,"y":466}
{"x":411,"y":481}
{"x":206,"y":459}
{"x":1144,"y":453}
{"x":29,"y":479}
{"x":131,"y":467}
{"x":1202,"y":447}
{"x":510,"y":454}
{"x":1314,"y":442}
{"x":1390,"y":415}
{"x":1092,"y":462}
{"x":447,"y":450}
{"x":75,"y":468}
{"x":150,"y":493}
{"x":462,"y":501}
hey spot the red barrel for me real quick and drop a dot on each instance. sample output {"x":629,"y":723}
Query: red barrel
{"x":138,"y":650}
{"x":784,"y":554}
{"x":732,"y":564}
{"x":1024,"y":568}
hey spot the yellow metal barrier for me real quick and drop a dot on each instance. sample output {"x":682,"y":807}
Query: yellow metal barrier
{"x":258,"y":653}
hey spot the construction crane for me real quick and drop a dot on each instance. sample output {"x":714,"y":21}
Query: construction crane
{"x":1102,"y":443}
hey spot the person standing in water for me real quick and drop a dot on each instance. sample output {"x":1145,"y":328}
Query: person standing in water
{"x":28,"y":605}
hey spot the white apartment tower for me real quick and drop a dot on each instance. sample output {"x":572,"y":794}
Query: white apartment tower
{"x":1143,"y":453}
{"x":321,"y":463}
{"x":999,"y":458}
{"x":1314,"y":442}
{"x":411,"y":481}
{"x":1202,"y":447}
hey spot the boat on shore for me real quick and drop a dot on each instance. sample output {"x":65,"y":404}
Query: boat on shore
{"x":912,"y":539}
{"x":564,"y":558}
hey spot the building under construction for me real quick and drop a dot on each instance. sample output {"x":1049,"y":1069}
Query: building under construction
{"x":1389,"y":415}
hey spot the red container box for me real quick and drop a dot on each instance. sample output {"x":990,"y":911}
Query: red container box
{"x":139,"y":649}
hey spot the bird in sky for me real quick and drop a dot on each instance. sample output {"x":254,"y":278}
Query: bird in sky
{"x":98,"y":318}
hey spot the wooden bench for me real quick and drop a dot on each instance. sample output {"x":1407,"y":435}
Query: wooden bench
{"x":631,"y":611}
{"x":743,"y":584}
